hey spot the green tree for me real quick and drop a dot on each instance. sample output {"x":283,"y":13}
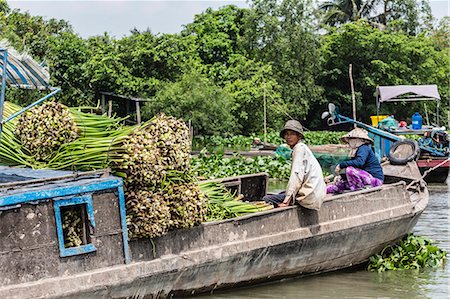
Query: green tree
{"x":67,"y":56}
{"x":410,"y":16}
{"x":283,"y":34}
{"x":31,"y":33}
{"x":154,"y":58}
{"x":220,"y":46}
{"x":441,"y":34}
{"x":218,"y":33}
{"x":378,"y":58}
{"x":105,"y":70}
{"x":342,"y":11}
{"x":196,"y":99}
{"x":247,"y":81}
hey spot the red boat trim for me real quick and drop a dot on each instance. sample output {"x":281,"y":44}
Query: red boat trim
{"x":432,"y":163}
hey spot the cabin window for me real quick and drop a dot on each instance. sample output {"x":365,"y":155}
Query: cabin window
{"x":74,"y":224}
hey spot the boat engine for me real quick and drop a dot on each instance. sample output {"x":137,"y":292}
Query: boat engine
{"x":438,"y":140}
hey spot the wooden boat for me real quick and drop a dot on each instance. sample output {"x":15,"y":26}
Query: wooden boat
{"x":438,"y":175}
{"x":269,"y":245}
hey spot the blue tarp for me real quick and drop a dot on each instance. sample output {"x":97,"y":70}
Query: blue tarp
{"x":22,"y":70}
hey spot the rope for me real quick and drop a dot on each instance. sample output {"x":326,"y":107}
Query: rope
{"x":427,"y":172}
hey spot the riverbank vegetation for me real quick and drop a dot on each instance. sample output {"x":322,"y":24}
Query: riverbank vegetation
{"x":211,"y":166}
{"x":240,"y":142}
{"x":216,"y":71}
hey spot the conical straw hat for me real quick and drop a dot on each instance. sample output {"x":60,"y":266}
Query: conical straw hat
{"x":357,"y":133}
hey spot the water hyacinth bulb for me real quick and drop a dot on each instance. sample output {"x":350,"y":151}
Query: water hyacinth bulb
{"x":158,"y":146}
{"x":43,"y":129}
{"x":187,"y":205}
{"x":147,"y":214}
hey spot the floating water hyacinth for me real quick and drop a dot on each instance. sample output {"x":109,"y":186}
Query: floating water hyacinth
{"x":412,"y":252}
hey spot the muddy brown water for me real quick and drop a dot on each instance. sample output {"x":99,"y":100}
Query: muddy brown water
{"x":359,"y":283}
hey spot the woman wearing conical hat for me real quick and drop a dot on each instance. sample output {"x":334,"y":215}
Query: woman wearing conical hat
{"x":363,"y":169}
{"x":306,"y":185}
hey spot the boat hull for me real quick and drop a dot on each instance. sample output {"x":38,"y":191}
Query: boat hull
{"x":285,"y":242}
{"x":438,"y":175}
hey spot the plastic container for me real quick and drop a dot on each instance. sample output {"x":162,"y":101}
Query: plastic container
{"x":388,"y":123}
{"x":377,"y":118}
{"x":416,"y":121}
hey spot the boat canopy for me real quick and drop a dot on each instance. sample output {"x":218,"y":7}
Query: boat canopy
{"x":407,"y":93}
{"x":22,"y":71}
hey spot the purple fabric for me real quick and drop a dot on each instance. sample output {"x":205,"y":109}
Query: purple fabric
{"x":356,"y":179}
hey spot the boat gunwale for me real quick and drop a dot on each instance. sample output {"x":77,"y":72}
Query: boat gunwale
{"x":327,"y":199}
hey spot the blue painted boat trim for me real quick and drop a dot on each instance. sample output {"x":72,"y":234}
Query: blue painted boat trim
{"x":59,"y":192}
{"x":123,"y":220}
{"x":57,"y":205}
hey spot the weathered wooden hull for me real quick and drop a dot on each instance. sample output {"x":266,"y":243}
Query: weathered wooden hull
{"x":347,"y":230}
{"x":438,"y":175}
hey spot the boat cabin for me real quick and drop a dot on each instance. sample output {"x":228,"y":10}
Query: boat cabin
{"x":37,"y":239}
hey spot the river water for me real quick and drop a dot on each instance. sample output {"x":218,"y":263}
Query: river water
{"x":434,"y":223}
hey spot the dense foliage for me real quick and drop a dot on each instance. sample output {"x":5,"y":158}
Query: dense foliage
{"x":217,"y":166}
{"x":380,"y":58}
{"x":240,"y":142}
{"x":216,"y":72}
{"x":413,"y":252}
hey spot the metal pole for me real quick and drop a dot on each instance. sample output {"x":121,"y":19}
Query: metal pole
{"x":32,"y":105}
{"x":2,"y":96}
{"x":265,"y":115}
{"x":353,"y":92}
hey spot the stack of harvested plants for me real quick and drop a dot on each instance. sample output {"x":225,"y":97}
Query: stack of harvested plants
{"x":222,"y":204}
{"x":43,"y":129}
{"x":155,"y":162}
{"x":187,"y":205}
{"x":153,"y":158}
{"x":147,"y":214}
{"x":11,"y":151}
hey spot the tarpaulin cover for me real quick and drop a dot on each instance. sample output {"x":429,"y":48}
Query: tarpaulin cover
{"x":408,"y":93}
{"x":22,"y":70}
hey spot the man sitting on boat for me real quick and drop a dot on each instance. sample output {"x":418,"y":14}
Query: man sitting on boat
{"x":306,"y":183}
{"x":363,"y":169}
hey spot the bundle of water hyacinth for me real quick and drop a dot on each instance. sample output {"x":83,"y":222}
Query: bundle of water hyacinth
{"x":222,"y":204}
{"x":152,"y":213}
{"x":34,"y":138}
{"x":11,"y":150}
{"x":153,"y":158}
{"x":43,"y":129}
